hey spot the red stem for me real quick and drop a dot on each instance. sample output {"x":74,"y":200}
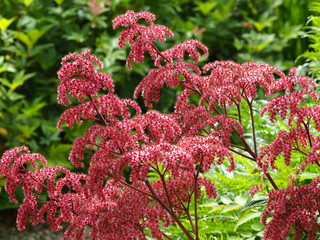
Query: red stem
{"x":172,"y":214}
{"x":103,"y":120}
{"x":274,"y":185}
{"x":185,"y":209}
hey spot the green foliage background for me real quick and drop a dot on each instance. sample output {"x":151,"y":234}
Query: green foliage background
{"x":35,"y":34}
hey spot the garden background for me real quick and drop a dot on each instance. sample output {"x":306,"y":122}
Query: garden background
{"x":36,"y":34}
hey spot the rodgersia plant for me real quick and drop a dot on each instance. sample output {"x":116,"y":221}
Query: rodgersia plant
{"x":115,"y":196}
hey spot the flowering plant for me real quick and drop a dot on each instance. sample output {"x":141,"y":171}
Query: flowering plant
{"x":115,"y":196}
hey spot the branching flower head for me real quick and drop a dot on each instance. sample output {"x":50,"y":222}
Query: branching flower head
{"x":140,"y":36}
{"x":170,"y":74}
{"x":22,"y":168}
{"x":110,"y":107}
{"x":179,"y":50}
{"x":295,"y":206}
{"x":255,"y":189}
{"x":313,"y":156}
{"x":287,"y":106}
{"x":130,"y":19}
{"x":194,"y":120}
{"x":79,"y":78}
{"x":230,"y":82}
{"x":285,"y":143}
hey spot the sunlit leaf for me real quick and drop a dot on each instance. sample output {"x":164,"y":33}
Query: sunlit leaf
{"x":206,"y":7}
{"x":27,"y":2}
{"x":231,"y":207}
{"x":32,"y":36}
{"x":59,"y":2}
{"x":5,"y":23}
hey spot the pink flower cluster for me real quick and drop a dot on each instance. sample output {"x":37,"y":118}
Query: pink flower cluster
{"x":285,"y":143}
{"x":303,"y":121}
{"x":109,"y":107}
{"x":140,"y":36}
{"x":294,"y":206}
{"x":78,"y":199}
{"x":79,"y":78}
{"x":255,"y":189}
{"x":145,"y":169}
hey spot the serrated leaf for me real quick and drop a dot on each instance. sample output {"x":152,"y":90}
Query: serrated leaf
{"x":255,"y":202}
{"x":246,"y":218}
{"x":217,"y":208}
{"x":206,"y":7}
{"x":231,"y":207}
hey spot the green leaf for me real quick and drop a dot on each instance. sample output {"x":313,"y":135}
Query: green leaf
{"x":290,"y":31}
{"x":264,"y":21}
{"x":46,"y":58}
{"x":28,"y":130}
{"x":5,"y":23}
{"x":231,"y":207}
{"x":27,"y":2}
{"x":257,"y":226}
{"x":8,"y":95}
{"x":79,"y":35}
{"x":241,"y":200}
{"x":211,"y":203}
{"x":217,"y":208}
{"x":206,"y":7}
{"x":246,"y":234}
{"x":33,"y":108}
{"x":5,"y":66}
{"x":255,"y":202}
{"x":246,"y":218}
{"x":58,"y":155}
{"x":32,"y":36}
{"x":59,"y":2}
{"x":25,"y":39}
{"x":225,"y":200}
{"x":18,"y":80}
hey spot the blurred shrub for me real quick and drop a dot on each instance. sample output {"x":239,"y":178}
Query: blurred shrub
{"x":273,"y":32}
